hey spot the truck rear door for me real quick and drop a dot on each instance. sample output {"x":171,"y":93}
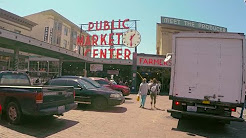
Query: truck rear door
{"x":208,"y":68}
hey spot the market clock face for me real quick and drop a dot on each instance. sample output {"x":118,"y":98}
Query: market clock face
{"x":131,"y":38}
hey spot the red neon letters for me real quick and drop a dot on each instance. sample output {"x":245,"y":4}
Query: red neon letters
{"x":149,"y":61}
{"x":105,"y":39}
{"x":106,"y":25}
{"x":102,"y":53}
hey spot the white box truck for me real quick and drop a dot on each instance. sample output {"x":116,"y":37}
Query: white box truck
{"x":207,"y":75}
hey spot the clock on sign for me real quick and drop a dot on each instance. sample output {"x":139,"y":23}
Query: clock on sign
{"x":131,"y":38}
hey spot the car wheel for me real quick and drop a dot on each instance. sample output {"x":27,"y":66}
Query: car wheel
{"x":100,"y":103}
{"x":14,"y":113}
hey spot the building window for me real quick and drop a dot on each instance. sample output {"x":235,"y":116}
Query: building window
{"x":65,"y":30}
{"x":64,"y":44}
{"x":76,"y":48}
{"x":58,"y":40}
{"x":74,"y":35}
{"x":59,"y":27}
{"x":17,"y":31}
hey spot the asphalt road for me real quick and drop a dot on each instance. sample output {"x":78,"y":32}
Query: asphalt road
{"x":127,"y":120}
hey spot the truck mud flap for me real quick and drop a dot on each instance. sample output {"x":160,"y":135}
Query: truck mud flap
{"x":206,"y":115}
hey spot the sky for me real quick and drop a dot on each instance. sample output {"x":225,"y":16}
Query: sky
{"x":226,"y":13}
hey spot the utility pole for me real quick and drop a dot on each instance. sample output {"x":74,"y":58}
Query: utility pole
{"x":134,"y":67}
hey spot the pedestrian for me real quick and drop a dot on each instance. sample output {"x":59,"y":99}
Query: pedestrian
{"x":149,"y":84}
{"x":159,"y":87}
{"x":143,"y":91}
{"x":153,"y":92}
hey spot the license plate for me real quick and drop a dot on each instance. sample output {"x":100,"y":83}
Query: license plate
{"x":61,"y":109}
{"x":191,"y":108}
{"x":206,"y":102}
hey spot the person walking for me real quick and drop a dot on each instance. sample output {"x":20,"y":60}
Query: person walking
{"x":149,"y":84}
{"x":153,"y":92}
{"x":159,"y":87}
{"x":143,"y":91}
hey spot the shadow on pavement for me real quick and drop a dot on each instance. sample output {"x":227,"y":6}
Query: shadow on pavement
{"x":40,"y":126}
{"x":153,"y":109}
{"x":113,"y":109}
{"x":211,"y":128}
{"x":127,"y":98}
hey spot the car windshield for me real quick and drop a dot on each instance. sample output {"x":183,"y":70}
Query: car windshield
{"x":113,"y":82}
{"x":86,"y":84}
{"x":102,"y":82}
{"x":96,"y":84}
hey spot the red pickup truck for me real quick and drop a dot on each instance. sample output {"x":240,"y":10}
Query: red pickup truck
{"x":113,"y":85}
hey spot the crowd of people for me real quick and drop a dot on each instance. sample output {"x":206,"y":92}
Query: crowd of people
{"x":152,"y":88}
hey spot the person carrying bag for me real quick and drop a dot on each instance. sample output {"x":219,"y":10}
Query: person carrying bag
{"x":143,"y":91}
{"x":153,"y":92}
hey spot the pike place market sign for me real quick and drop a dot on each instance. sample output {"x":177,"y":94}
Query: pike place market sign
{"x":192,"y":24}
{"x":109,"y":34}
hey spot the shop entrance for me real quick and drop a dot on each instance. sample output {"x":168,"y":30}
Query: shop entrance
{"x":121,"y":74}
{"x":162,"y":74}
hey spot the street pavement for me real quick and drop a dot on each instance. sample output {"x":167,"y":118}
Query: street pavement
{"x":126,"y":120}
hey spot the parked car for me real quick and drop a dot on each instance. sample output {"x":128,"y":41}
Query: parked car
{"x":113,"y":85}
{"x":89,"y":80}
{"x":86,"y":93}
{"x":18,"y":97}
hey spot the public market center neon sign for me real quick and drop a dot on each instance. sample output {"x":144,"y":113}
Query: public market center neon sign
{"x":106,"y":39}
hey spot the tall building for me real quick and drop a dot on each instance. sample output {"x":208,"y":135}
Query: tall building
{"x":55,"y":29}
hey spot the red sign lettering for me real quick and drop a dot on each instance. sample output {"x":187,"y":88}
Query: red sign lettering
{"x":103,"y":39}
{"x":100,"y":26}
{"x":111,"y":52}
{"x":87,"y":51}
{"x":90,"y":26}
{"x":103,"y":53}
{"x":88,"y":41}
{"x":127,"y":54}
{"x":149,"y":61}
{"x":119,"y":34}
{"x":111,"y":39}
{"x":118,"y":53}
{"x":94,"y":40}
{"x":95,"y":52}
{"x":106,"y":25}
{"x":123,"y":24}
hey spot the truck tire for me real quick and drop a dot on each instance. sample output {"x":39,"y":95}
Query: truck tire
{"x":99,"y":103}
{"x":13,"y":112}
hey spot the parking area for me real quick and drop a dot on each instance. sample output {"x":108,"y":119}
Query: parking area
{"x":126,"y":120}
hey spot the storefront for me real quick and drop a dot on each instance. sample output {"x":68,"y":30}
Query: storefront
{"x":154,"y":66}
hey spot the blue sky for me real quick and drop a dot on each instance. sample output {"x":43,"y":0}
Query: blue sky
{"x":227,"y":13}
